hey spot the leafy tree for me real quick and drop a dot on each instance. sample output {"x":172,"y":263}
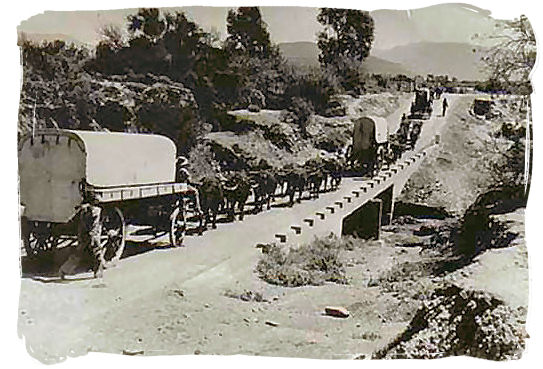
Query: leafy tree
{"x":247,"y":33}
{"x":348,"y":35}
{"x":255,"y":63}
{"x":55,"y":86}
{"x":147,"y":23}
{"x":112,"y":36}
{"x":513,"y":56}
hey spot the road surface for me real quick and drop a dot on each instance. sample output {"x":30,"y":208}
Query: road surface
{"x":172,"y":300}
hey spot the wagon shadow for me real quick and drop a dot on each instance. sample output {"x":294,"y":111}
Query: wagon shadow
{"x":133,"y":248}
{"x":45,"y":267}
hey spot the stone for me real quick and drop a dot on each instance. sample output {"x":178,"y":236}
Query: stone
{"x":253,"y":108}
{"x":271,"y":323}
{"x":133,"y":352}
{"x":336,"y":311}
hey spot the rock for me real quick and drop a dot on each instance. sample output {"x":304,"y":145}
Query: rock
{"x":337,"y":311}
{"x":424,"y":230}
{"x":271,"y":323}
{"x":132,"y":352}
{"x":177,"y":292}
{"x":253,"y":108}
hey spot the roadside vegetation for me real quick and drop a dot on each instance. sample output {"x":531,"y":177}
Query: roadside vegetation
{"x":165,"y":74}
{"x":189,"y":76}
{"x":301,"y":265}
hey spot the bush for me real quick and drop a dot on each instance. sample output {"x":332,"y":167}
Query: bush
{"x":311,"y":264}
{"x":455,"y":321}
{"x":202,"y":162}
{"x":298,"y":112}
{"x":332,"y":140}
{"x":316,"y":88}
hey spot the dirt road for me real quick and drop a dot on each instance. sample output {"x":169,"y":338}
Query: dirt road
{"x":173,"y":300}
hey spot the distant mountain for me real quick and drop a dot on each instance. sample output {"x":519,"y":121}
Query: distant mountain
{"x":375,"y":65}
{"x":460,"y":60}
{"x":306,"y":54}
{"x":49,"y":37}
{"x":300,"y":53}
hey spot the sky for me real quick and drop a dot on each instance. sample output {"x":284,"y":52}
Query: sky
{"x":439,"y":23}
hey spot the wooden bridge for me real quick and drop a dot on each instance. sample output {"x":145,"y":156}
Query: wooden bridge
{"x":360,"y":206}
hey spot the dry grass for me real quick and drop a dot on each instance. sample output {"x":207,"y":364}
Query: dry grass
{"x":312,"y":264}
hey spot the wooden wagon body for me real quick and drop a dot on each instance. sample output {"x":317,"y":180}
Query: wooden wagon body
{"x":370,"y":142}
{"x":127,"y":174}
{"x":421,"y":108}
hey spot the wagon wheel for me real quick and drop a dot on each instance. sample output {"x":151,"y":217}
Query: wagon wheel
{"x":38,"y":238}
{"x":113,"y":234}
{"x":178,"y":226}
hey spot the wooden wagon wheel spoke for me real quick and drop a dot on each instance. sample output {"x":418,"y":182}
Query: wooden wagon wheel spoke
{"x":38,"y":238}
{"x":177,"y":227}
{"x":113,"y":235}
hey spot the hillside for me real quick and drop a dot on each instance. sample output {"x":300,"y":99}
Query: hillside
{"x":455,"y":59}
{"x":306,"y":54}
{"x":39,"y":38}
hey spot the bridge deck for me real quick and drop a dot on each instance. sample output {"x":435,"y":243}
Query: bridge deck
{"x":330,"y":209}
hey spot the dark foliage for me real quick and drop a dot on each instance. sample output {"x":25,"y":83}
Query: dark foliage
{"x":173,"y":46}
{"x":478,"y":231}
{"x":345,"y":42}
{"x":247,"y":33}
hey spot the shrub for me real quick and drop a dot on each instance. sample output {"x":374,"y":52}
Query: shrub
{"x":299,"y":112}
{"x":316,"y":88}
{"x":311,"y":264}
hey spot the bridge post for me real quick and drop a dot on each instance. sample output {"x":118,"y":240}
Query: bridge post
{"x":387,"y":196}
{"x":364,"y":222}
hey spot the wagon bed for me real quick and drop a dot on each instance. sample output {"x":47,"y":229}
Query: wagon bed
{"x":126,"y":193}
{"x":127,"y":174}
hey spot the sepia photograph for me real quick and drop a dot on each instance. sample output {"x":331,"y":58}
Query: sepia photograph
{"x":274,"y":181}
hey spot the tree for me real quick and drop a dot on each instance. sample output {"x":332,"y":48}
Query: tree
{"x":513,"y":56}
{"x":112,"y":36}
{"x":147,"y":23}
{"x":347,"y":36}
{"x":247,"y":33}
{"x":344,"y":43}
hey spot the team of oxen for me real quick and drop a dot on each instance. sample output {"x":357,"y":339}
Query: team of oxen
{"x":229,"y":193}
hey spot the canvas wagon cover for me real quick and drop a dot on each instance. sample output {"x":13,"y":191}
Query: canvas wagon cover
{"x":125,"y":159}
{"x":53,"y":164}
{"x":361,"y":130}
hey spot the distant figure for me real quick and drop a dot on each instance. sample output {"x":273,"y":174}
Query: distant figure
{"x":445,"y":105}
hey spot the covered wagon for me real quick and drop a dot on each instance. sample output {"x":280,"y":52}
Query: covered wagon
{"x":131,"y":176}
{"x":421,"y":108}
{"x":370,"y":143}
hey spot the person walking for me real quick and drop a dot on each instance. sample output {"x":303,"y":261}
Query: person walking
{"x":445,"y":106}
{"x":183,"y":176}
{"x":88,"y":239}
